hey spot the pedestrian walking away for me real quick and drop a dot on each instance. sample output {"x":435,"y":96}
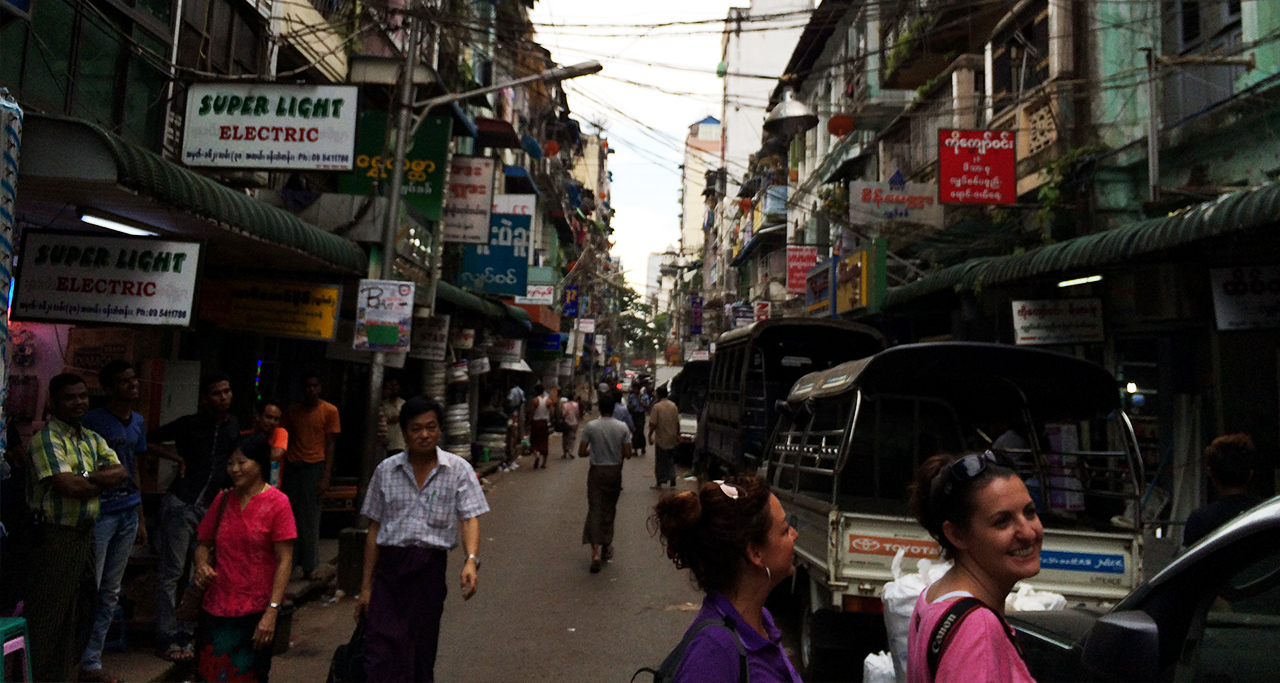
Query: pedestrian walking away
{"x":540,"y":409}
{"x":977,"y":508}
{"x":734,"y":536}
{"x":418,"y":503}
{"x":70,"y":467}
{"x":638,"y":407}
{"x":664,"y":432}
{"x":313,"y":427}
{"x":570,"y":414}
{"x":121,"y":525}
{"x":243,"y":562}
{"x":202,"y":443}
{"x":607,"y":442}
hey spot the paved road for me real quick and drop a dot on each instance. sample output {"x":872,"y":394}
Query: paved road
{"x":539,"y":615}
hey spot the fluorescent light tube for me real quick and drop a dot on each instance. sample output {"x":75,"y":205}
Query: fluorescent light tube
{"x":117,"y":226}
{"x":1080,"y":281}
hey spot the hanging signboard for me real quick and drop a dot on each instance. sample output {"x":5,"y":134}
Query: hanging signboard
{"x":896,"y":200}
{"x":571,"y":302}
{"x":79,"y":277}
{"x":743,"y":315}
{"x":269,"y":125}
{"x":280,"y":309}
{"x":1246,"y":298}
{"x":565,"y":367}
{"x":851,"y":282}
{"x":470,"y":200}
{"x":463,"y":338}
{"x":430,"y":338}
{"x":819,"y":292}
{"x":424,"y":164}
{"x":506,"y":349}
{"x":384,"y":314}
{"x":538,"y":295}
{"x":977,"y":166}
{"x":502,"y":266}
{"x":587,"y":326}
{"x":799,"y":261}
{"x":1058,"y":321}
{"x":763,"y":309}
{"x":695,"y":314}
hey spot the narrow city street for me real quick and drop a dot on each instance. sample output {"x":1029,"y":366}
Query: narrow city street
{"x":539,"y":614}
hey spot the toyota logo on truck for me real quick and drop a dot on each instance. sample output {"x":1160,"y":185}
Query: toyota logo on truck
{"x":880,"y":545}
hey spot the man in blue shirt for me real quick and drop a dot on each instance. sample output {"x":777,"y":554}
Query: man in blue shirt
{"x":120,"y":522}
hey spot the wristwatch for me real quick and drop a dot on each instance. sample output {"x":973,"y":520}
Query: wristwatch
{"x":473,"y":558}
{"x":274,"y":605}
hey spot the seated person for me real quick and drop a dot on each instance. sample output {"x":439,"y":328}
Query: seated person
{"x":1229,"y":461}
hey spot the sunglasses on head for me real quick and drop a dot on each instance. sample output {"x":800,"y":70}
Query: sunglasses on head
{"x":970,"y":467}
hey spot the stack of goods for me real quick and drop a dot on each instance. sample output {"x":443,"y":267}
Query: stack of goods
{"x":434,"y":381}
{"x":457,"y":429}
{"x":493,"y":444}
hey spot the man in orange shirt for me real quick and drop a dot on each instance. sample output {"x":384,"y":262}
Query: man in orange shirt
{"x":313,"y":428}
{"x":267,"y":418}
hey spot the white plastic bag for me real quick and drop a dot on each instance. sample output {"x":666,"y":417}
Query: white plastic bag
{"x":899,"y":597}
{"x":1024,"y":598}
{"x":878,"y":668}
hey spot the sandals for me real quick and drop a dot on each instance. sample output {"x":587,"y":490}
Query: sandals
{"x":178,"y":653}
{"x":595,"y":566}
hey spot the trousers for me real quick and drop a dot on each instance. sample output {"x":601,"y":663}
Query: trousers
{"x":302,"y":486}
{"x":60,"y":600}
{"x":113,"y":538}
{"x":174,"y":547}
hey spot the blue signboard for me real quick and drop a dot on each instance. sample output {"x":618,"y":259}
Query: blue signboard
{"x":820,"y":290}
{"x":695,"y":318}
{"x":550,"y":342}
{"x":1082,"y":562}
{"x":502,"y":265}
{"x":570,"y":302}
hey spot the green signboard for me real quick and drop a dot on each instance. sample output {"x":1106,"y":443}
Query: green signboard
{"x":425,"y":162}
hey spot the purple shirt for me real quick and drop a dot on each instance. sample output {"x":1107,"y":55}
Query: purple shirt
{"x":712,"y":657}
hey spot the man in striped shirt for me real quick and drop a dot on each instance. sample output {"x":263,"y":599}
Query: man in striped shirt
{"x":70,"y":468}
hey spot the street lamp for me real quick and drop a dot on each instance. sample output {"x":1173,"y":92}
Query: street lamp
{"x":790,"y":116}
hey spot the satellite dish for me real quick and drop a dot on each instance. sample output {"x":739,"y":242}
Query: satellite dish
{"x":531,"y":146}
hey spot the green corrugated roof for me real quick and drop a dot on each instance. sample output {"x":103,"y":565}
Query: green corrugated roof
{"x":143,"y":171}
{"x":468,"y":301}
{"x":1239,"y":212}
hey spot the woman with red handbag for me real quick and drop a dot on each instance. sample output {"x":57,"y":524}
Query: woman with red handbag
{"x":243,"y":562}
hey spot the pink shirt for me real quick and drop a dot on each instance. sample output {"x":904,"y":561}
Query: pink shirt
{"x":979,"y":651}
{"x":245,"y":558}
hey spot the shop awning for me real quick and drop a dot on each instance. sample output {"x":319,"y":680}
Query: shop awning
{"x":496,"y":133}
{"x":544,"y":318}
{"x":771,"y":234}
{"x":69,"y":165}
{"x":1237,"y":213}
{"x":518,"y":181}
{"x":463,"y":125}
{"x":515,"y":366}
{"x":465,"y":301}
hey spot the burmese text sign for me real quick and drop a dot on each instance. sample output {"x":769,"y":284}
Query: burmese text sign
{"x":95,"y":278}
{"x":430,"y":338}
{"x":384,"y":315}
{"x":977,"y":166}
{"x":283,"y":309}
{"x":571,"y":301}
{"x":799,"y":261}
{"x":695,"y":314}
{"x":502,"y":265}
{"x":272,"y":126}
{"x":819,"y":295}
{"x":424,"y":163}
{"x":1246,"y":297}
{"x":896,"y":200}
{"x":1058,"y":321}
{"x":851,"y":282}
{"x":538,"y":295}
{"x":470,"y":200}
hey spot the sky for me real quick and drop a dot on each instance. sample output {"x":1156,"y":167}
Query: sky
{"x":646,"y":173}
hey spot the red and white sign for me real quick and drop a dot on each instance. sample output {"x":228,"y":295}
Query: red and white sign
{"x":799,"y":261}
{"x":587,"y":325}
{"x":470,"y":198}
{"x":538,"y":295}
{"x":763,"y":309}
{"x":977,"y":166}
{"x":1058,"y":321}
{"x":888,"y":546}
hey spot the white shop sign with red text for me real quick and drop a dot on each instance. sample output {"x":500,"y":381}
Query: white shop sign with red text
{"x":469,"y":200}
{"x":268,"y":126}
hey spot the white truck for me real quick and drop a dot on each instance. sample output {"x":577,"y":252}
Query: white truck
{"x":850,"y":438}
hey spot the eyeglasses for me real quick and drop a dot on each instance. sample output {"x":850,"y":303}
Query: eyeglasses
{"x":970,"y":467}
{"x":728,"y":489}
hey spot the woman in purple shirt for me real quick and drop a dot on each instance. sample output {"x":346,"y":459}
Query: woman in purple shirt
{"x":734,"y":537}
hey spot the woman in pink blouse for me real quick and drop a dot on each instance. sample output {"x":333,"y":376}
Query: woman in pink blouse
{"x":981,"y":514}
{"x":252,"y":557}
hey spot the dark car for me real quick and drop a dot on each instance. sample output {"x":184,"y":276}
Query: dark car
{"x":1212,"y":615}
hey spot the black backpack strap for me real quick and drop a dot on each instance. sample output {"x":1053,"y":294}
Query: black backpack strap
{"x":949,"y":623}
{"x":672,"y":663}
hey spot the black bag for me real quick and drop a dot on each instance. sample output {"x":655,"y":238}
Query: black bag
{"x":666,"y":672}
{"x":347,"y":665}
{"x":949,"y":623}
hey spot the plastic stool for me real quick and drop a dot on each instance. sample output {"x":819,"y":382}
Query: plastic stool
{"x":121,"y":643}
{"x":13,"y":632}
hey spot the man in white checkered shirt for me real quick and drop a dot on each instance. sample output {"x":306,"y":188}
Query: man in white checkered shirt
{"x":416,"y":504}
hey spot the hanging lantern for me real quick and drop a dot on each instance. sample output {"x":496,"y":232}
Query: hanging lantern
{"x":551,"y":149}
{"x":744,"y":204}
{"x":604,"y":195}
{"x":840,"y":125}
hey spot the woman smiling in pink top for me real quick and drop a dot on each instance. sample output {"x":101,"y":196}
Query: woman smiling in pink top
{"x":981,"y":514}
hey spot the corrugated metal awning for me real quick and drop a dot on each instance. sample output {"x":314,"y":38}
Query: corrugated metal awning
{"x":1236,"y":213}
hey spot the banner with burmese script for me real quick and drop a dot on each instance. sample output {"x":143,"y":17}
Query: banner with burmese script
{"x":280,"y":309}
